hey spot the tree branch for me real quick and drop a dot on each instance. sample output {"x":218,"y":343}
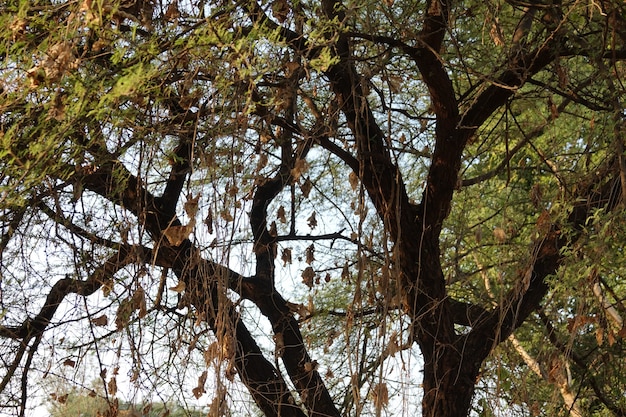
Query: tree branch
{"x":547,"y":256}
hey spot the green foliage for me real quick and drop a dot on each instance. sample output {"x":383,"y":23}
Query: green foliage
{"x":186,"y":185}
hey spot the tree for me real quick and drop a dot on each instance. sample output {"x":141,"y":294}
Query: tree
{"x":443,"y":178}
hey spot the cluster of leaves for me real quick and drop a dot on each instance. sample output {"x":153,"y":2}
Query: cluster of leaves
{"x":171,"y":174}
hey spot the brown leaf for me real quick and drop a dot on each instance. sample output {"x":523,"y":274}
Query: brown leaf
{"x":310,"y":254}
{"x":191,"y":206}
{"x":180,"y":287}
{"x":312,"y":221}
{"x":262,"y":162}
{"x":345,"y":272}
{"x":380,"y":395}
{"x":299,"y":309}
{"x":280,"y":10}
{"x":307,"y":276}
{"x":199,"y":390}
{"x":112,"y":386}
{"x":232,"y":191}
{"x":354,"y":180}
{"x":499,"y":234}
{"x":208,"y":221}
{"x":69,"y":362}
{"x":311,"y":366}
{"x":286,"y":256}
{"x":226,"y":216}
{"x":496,"y":34}
{"x":306,"y":187}
{"x":279,"y":343}
{"x":599,"y":336}
{"x":101,"y":321}
{"x":394,"y":346}
{"x":17,"y":27}
{"x":299,"y":168}
{"x":280,"y":214}
{"x":172,"y":12}
{"x":60,"y":59}
{"x":273,"y":231}
{"x":478,"y":234}
{"x":107,"y":287}
{"x":122,"y":316}
{"x":177,"y":234}
{"x":138,"y":302}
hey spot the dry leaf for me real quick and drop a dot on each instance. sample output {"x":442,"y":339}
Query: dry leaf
{"x":306,"y":188}
{"x":312,"y":221}
{"x":280,"y":344}
{"x":610,"y":337}
{"x":299,"y":309}
{"x":103,"y":320}
{"x":307,"y":276}
{"x":310,"y":254}
{"x":395,"y":83}
{"x":177,"y":234}
{"x":280,"y":10}
{"x":57,"y":112}
{"x":69,"y":362}
{"x":262,"y":162}
{"x":286,"y":256}
{"x":599,"y":336}
{"x":380,"y":395}
{"x":112,"y":386}
{"x":138,"y":302}
{"x":107,"y":287}
{"x":536,"y":194}
{"x":191,"y":206}
{"x":232,"y":191}
{"x":226,"y":216}
{"x":209,"y":222}
{"x":122,"y":316}
{"x":311,"y":366}
{"x":172,"y":13}
{"x":199,"y":390}
{"x":394,"y":346}
{"x":499,"y":234}
{"x":345,"y":272}
{"x":180,"y":287}
{"x":273,"y":231}
{"x":17,"y":27}
{"x":59,"y":60}
{"x":299,"y":168}
{"x":280,"y":214}
{"x":496,"y":34}
{"x":354,"y":180}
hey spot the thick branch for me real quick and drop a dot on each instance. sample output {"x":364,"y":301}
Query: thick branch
{"x":266,"y":385}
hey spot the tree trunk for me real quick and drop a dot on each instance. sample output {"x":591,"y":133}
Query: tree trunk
{"x":448,"y":386}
